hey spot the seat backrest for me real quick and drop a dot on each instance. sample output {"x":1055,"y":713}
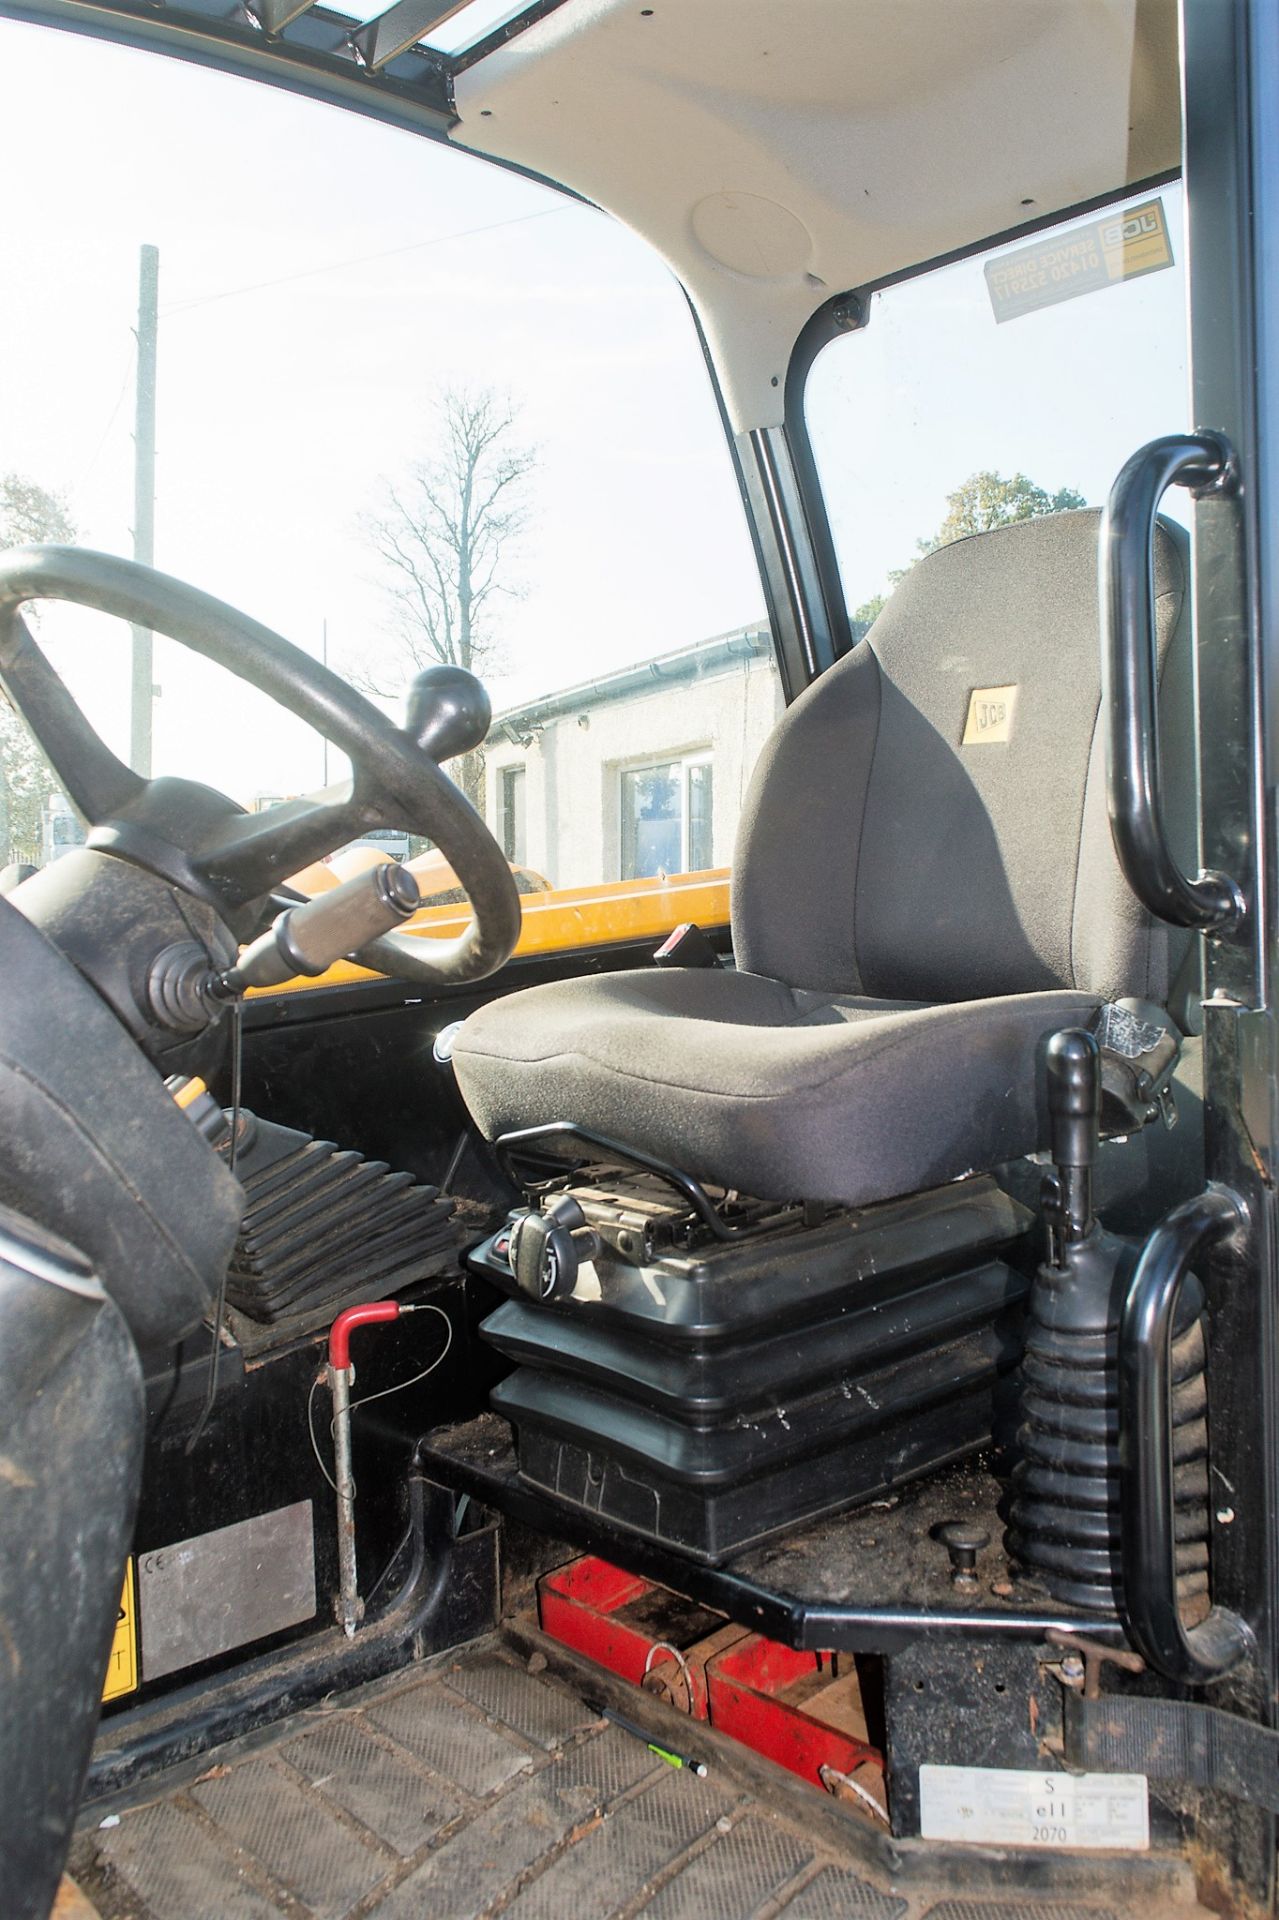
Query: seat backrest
{"x":928,"y":821}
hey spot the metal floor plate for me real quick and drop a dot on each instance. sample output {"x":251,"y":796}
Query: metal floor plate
{"x":475,"y":1788}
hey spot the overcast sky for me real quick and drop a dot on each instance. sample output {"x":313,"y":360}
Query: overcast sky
{"x":322,"y":274}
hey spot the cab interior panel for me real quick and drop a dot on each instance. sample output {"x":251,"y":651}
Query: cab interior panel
{"x":636,"y":1083}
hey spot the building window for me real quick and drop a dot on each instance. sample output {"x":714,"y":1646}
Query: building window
{"x":511,"y":816}
{"x":667,"y":822}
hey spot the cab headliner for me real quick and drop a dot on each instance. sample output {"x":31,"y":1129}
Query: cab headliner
{"x":777,"y":155}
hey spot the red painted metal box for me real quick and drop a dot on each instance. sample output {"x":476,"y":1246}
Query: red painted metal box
{"x":645,"y":1633}
{"x":803,"y":1710}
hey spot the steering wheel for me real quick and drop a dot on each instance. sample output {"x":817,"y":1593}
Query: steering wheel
{"x":203,"y":842}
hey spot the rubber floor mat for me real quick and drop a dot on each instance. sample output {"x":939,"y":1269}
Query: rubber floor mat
{"x":475,"y":1788}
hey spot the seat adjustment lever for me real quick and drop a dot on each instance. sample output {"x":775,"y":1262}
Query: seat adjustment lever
{"x":548,"y":1248}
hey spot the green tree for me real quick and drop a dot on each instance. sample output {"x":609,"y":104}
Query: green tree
{"x":445,"y":535}
{"x":987,"y":500}
{"x":29,"y":514}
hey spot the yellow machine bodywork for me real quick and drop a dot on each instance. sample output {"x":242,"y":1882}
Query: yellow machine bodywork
{"x":568,"y":917}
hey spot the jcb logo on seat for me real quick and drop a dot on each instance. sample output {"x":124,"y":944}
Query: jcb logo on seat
{"x":990,"y":716}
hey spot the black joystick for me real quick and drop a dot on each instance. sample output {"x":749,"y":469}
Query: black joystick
{"x":448,"y":712}
{"x":1065,"y":1514}
{"x":1074,"y":1110}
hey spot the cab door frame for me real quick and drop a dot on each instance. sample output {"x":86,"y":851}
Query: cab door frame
{"x":1230,"y":77}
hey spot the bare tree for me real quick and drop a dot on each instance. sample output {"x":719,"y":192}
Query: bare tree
{"x":444,"y":535}
{"x":29,"y":514}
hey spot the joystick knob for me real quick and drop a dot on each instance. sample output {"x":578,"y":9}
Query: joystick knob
{"x":448,"y":712}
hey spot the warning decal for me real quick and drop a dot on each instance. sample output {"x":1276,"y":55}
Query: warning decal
{"x":122,"y":1667}
{"x":1119,"y":246}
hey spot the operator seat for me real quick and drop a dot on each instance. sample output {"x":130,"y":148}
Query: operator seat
{"x":925,"y":890}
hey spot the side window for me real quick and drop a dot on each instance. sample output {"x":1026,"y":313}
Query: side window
{"x":417,"y":409}
{"x":510,"y":788}
{"x":1012,"y":383}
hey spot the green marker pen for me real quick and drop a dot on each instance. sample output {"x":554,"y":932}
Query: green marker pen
{"x":672,"y":1759}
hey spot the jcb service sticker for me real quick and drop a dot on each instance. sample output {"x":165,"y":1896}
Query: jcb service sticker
{"x":1120,"y":246}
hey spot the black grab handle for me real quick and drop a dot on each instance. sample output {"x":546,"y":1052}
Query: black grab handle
{"x":1206,"y":1652}
{"x":1205,"y":463}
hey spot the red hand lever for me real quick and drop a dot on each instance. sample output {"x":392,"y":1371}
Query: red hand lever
{"x":346,"y":1323}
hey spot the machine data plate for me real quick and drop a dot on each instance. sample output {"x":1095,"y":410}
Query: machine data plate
{"x":1009,"y":1807}
{"x":203,"y":1596}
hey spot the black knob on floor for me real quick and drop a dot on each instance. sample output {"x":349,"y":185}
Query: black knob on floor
{"x":963,"y":1542}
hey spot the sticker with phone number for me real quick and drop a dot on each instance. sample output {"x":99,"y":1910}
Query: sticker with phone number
{"x":1006,"y":1807}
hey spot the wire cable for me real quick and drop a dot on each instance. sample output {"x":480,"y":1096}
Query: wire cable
{"x":418,"y":1306}
{"x":359,"y":260}
{"x":310,"y":1427}
{"x":111,"y":417}
{"x":666,"y":1646}
{"x":219,"y":1305}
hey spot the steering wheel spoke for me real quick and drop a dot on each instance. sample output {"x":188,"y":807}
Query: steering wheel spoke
{"x":94,"y":780}
{"x":254,"y":851}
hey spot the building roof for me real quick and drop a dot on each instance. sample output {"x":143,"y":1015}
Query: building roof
{"x":668,"y":669}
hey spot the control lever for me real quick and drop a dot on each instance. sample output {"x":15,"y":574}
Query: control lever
{"x":687,"y":946}
{"x":1074,"y":1107}
{"x":547,"y":1249}
{"x":308,"y":938}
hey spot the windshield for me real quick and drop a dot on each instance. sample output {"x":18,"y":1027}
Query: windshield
{"x":408,"y":407}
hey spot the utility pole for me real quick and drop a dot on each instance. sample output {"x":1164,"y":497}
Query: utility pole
{"x":144,"y":502}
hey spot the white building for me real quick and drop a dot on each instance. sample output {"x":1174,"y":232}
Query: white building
{"x":639,"y":772}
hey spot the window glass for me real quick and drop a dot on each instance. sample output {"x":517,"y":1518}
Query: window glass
{"x":992,"y":389}
{"x":667,"y":818}
{"x":652,"y":821}
{"x":409,"y":407}
{"x":514,"y":843}
{"x":701,"y":814}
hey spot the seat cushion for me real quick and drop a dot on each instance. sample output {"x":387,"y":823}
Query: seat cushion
{"x":779,"y":1091}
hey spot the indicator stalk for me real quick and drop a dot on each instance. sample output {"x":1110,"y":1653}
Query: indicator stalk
{"x":308,"y":938}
